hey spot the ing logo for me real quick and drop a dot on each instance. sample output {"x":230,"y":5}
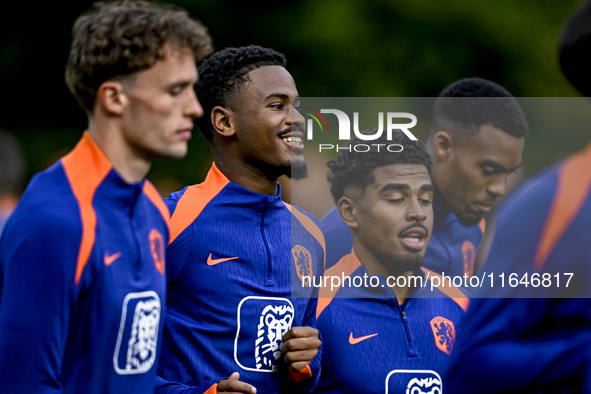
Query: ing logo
{"x":303,"y":263}
{"x":444,"y":332}
{"x":262,"y":322}
{"x":157,"y":249}
{"x":137,"y":340}
{"x":408,"y":381}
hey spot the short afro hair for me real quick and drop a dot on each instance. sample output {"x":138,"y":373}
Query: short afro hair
{"x":119,"y":38}
{"x":224,"y":73}
{"x":355,"y":169}
{"x":464,"y":106}
{"x":574,"y":46}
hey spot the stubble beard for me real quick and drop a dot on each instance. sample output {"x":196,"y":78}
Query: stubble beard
{"x":405,"y":263}
{"x":296,"y":170}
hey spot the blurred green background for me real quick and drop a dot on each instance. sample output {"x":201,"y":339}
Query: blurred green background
{"x":348,"y":48}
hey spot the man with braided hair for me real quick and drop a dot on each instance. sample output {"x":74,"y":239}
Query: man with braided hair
{"x":382,"y":323}
{"x":235,"y":299}
{"x":82,"y":280}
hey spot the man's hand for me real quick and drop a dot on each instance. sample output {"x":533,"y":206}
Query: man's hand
{"x":234,"y":386}
{"x":299,"y":347}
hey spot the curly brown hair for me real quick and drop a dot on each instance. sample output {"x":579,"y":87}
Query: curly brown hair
{"x":116,"y":39}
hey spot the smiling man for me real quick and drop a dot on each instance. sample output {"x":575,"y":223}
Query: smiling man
{"x":82,"y":287}
{"x":236,"y":248}
{"x":391,"y":330}
{"x":476,"y":140}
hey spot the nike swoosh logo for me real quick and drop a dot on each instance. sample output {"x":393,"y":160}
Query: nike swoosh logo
{"x":355,"y":341}
{"x":110,"y":259}
{"x":211,"y":261}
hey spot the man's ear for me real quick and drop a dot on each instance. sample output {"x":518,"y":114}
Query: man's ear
{"x":111,"y":97}
{"x":222,"y":121}
{"x":443,"y":145}
{"x":348,"y":211}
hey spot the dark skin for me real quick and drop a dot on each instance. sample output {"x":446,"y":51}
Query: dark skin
{"x":254,"y":140}
{"x":471,"y":175}
{"x":250,"y":135}
{"x":391,"y":219}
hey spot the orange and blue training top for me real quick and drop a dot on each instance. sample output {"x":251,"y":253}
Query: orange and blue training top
{"x":534,"y":335}
{"x":373,"y":344}
{"x":82,"y":286}
{"x":233,"y":271}
{"x":451,"y":250}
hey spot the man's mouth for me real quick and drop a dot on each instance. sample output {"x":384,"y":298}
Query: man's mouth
{"x":294,"y":139}
{"x":185,"y":133}
{"x":414,"y":238}
{"x":483,"y":207}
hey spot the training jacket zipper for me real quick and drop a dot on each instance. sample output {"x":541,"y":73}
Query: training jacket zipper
{"x":269,"y":276}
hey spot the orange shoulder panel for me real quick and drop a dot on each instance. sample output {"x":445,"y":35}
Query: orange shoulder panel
{"x":194,"y":200}
{"x":86,"y":167}
{"x":572,"y":189}
{"x":450,"y":290}
{"x":311,"y":227}
{"x":345,"y":266}
{"x":152,"y":193}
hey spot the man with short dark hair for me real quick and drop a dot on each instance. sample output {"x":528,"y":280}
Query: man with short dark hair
{"x":238,"y":253}
{"x":475,"y":141}
{"x":532,"y":334}
{"x":383,"y":325}
{"x":82,"y":284}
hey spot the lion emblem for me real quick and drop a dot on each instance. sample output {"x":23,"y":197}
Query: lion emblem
{"x":273,"y":323}
{"x":424,"y":386}
{"x":141,"y":350}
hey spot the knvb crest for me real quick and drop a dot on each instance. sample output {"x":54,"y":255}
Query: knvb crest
{"x":303,"y":263}
{"x":469,"y":255}
{"x":444,"y":332}
{"x":157,"y":249}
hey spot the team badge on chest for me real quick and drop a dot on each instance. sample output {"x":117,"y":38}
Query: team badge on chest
{"x":157,"y":249}
{"x":444,"y":332}
{"x":303,"y":263}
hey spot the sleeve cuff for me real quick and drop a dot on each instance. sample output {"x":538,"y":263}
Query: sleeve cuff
{"x":304,"y":374}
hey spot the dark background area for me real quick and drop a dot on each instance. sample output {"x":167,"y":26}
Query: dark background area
{"x":347,"y":48}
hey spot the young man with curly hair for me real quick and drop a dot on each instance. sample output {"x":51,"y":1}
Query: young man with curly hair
{"x":82,"y":280}
{"x":476,"y":140}
{"x":237,"y":252}
{"x":382,"y":324}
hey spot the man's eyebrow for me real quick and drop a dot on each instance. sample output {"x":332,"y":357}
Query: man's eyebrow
{"x":499,"y":168}
{"x":281,"y":96}
{"x":182,"y":84}
{"x":427,"y":187}
{"x":395,"y":186}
